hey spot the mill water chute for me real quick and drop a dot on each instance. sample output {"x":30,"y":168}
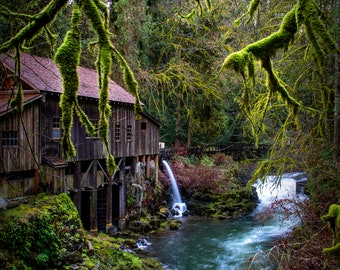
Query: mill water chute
{"x":178,"y":206}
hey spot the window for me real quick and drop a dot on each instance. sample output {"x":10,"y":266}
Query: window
{"x":129,"y":132}
{"x":143,"y":126}
{"x":117,"y":133}
{"x":10,"y":138}
{"x":95,"y":123}
{"x":56,"y":134}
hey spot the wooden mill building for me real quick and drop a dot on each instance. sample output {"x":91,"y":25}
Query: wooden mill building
{"x":30,"y":151}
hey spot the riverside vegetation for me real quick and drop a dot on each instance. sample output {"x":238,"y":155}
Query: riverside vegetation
{"x":46,"y":231}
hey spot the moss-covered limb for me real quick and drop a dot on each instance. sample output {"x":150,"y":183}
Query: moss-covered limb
{"x":45,"y":17}
{"x":103,"y":8}
{"x":89,"y":127}
{"x":92,"y":11}
{"x":111,"y":164}
{"x":333,"y":218}
{"x":309,"y":15}
{"x":17,"y":102}
{"x":7,"y":14}
{"x":239,"y":62}
{"x":274,"y":84}
{"x":67,"y":58}
{"x":104,"y":67}
{"x":268,"y":46}
{"x":308,"y":11}
{"x":254,"y":4}
{"x":130,"y":81}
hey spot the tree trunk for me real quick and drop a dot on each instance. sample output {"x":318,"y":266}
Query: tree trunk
{"x":337,"y":96}
{"x":178,"y":124}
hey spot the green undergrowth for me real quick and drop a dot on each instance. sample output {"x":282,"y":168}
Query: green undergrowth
{"x":211,"y":186}
{"x":47,"y":233}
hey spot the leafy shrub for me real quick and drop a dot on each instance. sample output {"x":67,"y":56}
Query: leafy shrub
{"x":207,"y":161}
{"x":42,"y":260}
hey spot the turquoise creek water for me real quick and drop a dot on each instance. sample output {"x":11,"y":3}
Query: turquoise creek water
{"x":237,"y":244}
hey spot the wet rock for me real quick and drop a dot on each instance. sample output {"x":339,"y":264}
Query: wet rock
{"x":164,"y":213}
{"x":72,"y":257}
{"x":174,"y":225}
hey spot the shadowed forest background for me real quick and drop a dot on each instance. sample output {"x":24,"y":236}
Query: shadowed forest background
{"x":217,"y":73}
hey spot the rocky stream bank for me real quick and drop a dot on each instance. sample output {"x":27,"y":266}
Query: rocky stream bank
{"x":45,"y":231}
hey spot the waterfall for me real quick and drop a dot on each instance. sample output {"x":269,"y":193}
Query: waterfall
{"x":290,"y":186}
{"x":240,"y":243}
{"x":178,"y":204}
{"x":288,"y":191}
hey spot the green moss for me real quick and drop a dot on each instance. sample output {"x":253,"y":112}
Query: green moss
{"x":333,"y":218}
{"x":254,"y":4}
{"x":39,"y":227}
{"x":130,"y":82}
{"x":306,"y":13}
{"x":32,"y":29}
{"x":67,"y":58}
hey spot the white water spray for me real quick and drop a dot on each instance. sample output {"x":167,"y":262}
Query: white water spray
{"x":178,"y":204}
{"x":220,"y":245}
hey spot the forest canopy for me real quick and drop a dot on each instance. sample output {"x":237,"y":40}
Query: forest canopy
{"x":175,"y":58}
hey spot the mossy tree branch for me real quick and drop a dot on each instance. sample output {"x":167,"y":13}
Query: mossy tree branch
{"x":303,"y":14}
{"x":37,"y":23}
{"x":333,"y":218}
{"x":93,"y":9}
{"x":67,"y":58}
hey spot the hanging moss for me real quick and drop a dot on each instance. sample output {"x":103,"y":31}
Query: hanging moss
{"x":305,"y":12}
{"x":333,"y":218}
{"x":92,"y":9}
{"x":67,"y":58}
{"x":130,"y":82}
{"x":32,"y":29}
{"x":105,"y":63}
{"x":17,"y":103}
{"x":89,"y":127}
{"x":254,"y":4}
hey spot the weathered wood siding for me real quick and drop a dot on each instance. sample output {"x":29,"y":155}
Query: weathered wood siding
{"x":88,"y":148}
{"x":122,"y":131}
{"x":24,"y":156}
{"x":147,"y":136}
{"x":128,"y":137}
{"x":49,"y":109}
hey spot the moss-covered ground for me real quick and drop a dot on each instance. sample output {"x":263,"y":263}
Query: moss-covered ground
{"x":47,"y":233}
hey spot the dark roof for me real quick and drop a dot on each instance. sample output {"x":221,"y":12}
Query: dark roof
{"x":43,"y":74}
{"x":5,"y":97}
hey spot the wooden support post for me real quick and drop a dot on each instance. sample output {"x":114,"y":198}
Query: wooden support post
{"x":147,"y":168}
{"x":156,"y":168}
{"x":109,"y":205}
{"x":122,"y":196}
{"x":77,"y":186}
{"x":93,"y":201}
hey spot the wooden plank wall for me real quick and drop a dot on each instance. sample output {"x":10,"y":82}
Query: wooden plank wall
{"x":143,"y":140}
{"x":122,"y":116}
{"x":21,"y":158}
{"x":49,"y":109}
{"x":147,"y":134}
{"x":88,"y":148}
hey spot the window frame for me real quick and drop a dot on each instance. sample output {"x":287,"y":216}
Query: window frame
{"x":10,"y":138}
{"x":117,"y":133}
{"x":56,"y":128}
{"x":129,"y":132}
{"x":95,"y":123}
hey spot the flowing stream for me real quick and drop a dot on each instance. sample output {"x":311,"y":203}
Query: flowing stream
{"x":221,"y":244}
